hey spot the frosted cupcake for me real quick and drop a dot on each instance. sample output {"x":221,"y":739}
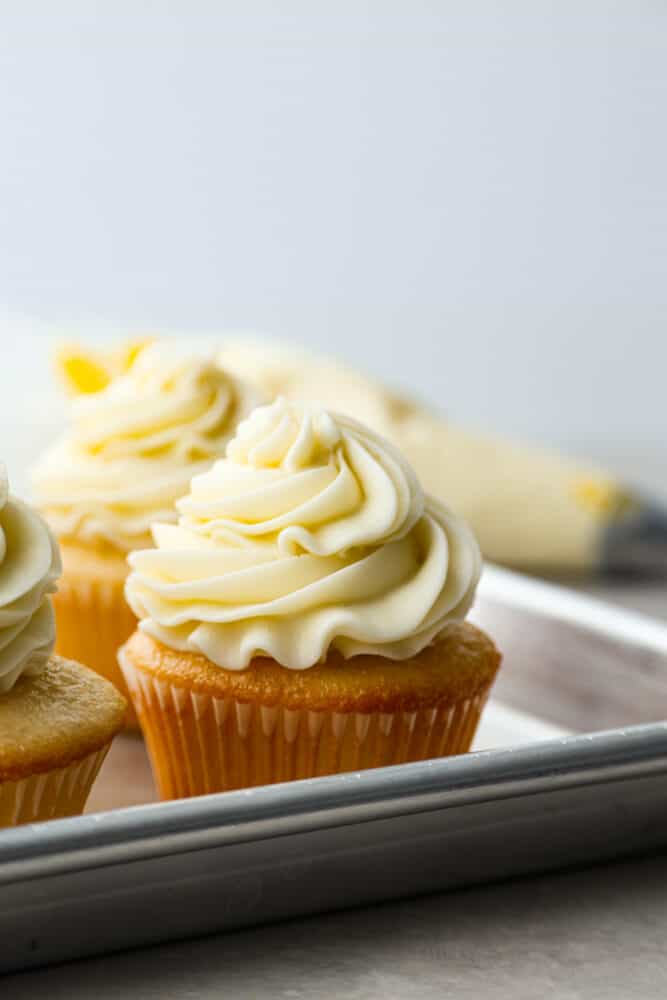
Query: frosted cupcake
{"x":305,"y":615}
{"x":131,"y":451}
{"x":57,"y":719}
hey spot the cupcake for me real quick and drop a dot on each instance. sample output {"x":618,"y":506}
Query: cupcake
{"x":57,"y":718}
{"x":305,"y":615}
{"x":130,"y":452}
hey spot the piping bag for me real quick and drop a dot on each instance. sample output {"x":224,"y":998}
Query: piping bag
{"x":531,"y":510}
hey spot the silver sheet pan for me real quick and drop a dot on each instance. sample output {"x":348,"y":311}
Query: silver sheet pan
{"x":140,"y":875}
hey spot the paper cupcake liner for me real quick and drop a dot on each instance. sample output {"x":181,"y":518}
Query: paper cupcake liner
{"x":200,"y":744}
{"x":51,"y":795}
{"x":92,"y":621}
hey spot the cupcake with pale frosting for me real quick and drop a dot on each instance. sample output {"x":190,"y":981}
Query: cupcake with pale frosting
{"x":57,"y":718}
{"x":305,"y":615}
{"x":130,"y":452}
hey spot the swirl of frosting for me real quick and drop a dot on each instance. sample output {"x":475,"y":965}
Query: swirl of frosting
{"x":134,"y":447}
{"x":313,"y":533}
{"x":29,"y":568}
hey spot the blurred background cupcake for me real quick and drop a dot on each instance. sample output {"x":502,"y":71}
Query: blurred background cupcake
{"x":130,"y":451}
{"x":57,"y":718}
{"x":306,"y":614}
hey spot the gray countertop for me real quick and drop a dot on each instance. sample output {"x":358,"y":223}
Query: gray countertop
{"x":593,"y":934}
{"x":596,"y":933}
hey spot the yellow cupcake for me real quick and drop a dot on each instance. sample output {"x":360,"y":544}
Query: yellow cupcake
{"x":55,"y":730}
{"x":210,"y":729}
{"x":130,"y":452}
{"x":57,"y":718}
{"x":305,"y":615}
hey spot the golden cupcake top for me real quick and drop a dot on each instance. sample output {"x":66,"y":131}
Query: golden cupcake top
{"x":133,"y":446}
{"x":29,"y":568}
{"x":61,"y":716}
{"x":312,"y":534}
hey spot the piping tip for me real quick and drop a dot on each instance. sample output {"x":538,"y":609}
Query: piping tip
{"x":635,"y":543}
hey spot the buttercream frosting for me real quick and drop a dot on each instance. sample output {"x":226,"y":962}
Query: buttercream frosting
{"x":29,"y":568}
{"x":312,"y":534}
{"x":133,"y":447}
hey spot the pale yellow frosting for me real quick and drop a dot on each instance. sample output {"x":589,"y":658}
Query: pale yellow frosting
{"x":133,"y":448}
{"x":29,"y":568}
{"x":312,"y":534}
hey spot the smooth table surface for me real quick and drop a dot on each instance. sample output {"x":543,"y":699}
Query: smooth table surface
{"x":597,"y":934}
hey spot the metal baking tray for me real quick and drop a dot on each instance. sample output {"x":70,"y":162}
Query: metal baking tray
{"x":139,"y":875}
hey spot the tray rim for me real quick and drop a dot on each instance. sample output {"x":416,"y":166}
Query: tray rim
{"x":559,"y":602}
{"x":167,"y":828}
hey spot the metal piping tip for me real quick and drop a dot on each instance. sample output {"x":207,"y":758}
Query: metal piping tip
{"x":635,"y":543}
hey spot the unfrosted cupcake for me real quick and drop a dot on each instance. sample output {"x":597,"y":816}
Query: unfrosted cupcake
{"x":305,"y":615}
{"x":130,"y":452}
{"x":57,"y":718}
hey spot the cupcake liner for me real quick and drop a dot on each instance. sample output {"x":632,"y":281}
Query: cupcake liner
{"x":200,"y":744}
{"x":52,"y":794}
{"x":92,"y":621}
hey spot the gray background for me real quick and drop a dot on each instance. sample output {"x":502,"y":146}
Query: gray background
{"x":468,"y":199}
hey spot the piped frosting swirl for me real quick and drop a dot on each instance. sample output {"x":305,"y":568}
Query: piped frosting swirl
{"x":312,"y":534}
{"x":134,"y":446}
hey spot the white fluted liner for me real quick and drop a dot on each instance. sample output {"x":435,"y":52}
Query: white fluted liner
{"x":51,"y":795}
{"x":200,"y":744}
